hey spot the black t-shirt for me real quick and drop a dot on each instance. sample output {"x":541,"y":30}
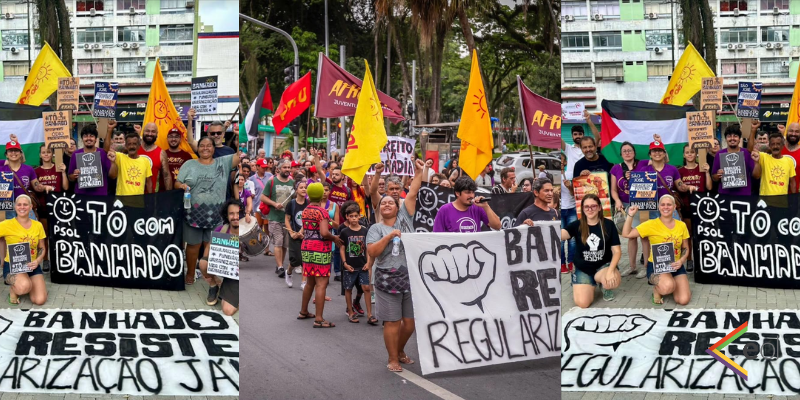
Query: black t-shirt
{"x":223,"y":151}
{"x":355,"y":246}
{"x":295,"y":213}
{"x":599,"y":165}
{"x":596,"y":252}
{"x":534,"y":213}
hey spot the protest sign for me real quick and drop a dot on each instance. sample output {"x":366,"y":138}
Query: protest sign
{"x":19,"y":256}
{"x":91,"y":168}
{"x":663,"y":257}
{"x":734,"y":171}
{"x":746,"y":241}
{"x":396,"y":156}
{"x":128,"y":242}
{"x":700,"y":127}
{"x":506,"y":309}
{"x":105,"y":99}
{"x":595,"y":183}
{"x":643,"y":190}
{"x":68,"y":93}
{"x":711,"y":94}
{"x":432,"y":197}
{"x":223,"y":256}
{"x":667,"y":351}
{"x":572,"y":111}
{"x":204,"y":95}
{"x":119,"y":352}
{"x":748,"y":100}
{"x":7,"y":191}
{"x":57,"y":129}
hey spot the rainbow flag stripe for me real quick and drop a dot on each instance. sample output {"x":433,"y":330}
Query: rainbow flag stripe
{"x":714,"y":351}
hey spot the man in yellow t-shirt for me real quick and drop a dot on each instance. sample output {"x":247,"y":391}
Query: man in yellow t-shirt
{"x":777,"y":172}
{"x":131,"y":170}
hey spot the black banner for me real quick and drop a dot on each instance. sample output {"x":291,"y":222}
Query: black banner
{"x":432,"y":197}
{"x":126,"y":242}
{"x":747,"y":240}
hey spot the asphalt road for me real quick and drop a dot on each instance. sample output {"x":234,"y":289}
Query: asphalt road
{"x":283,"y":358}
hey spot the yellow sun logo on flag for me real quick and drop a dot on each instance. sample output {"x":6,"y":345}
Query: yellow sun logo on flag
{"x":161,"y":112}
{"x":481,"y":103}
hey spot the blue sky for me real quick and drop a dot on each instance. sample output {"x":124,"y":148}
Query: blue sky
{"x":222,"y":14}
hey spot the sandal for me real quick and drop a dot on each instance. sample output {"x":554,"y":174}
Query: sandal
{"x":269,"y":254}
{"x":397,"y":368}
{"x":372,"y":321}
{"x":306,"y":315}
{"x":324,"y":324}
{"x":405,"y":360}
{"x":13,"y":303}
{"x":353,"y":318}
{"x":656,"y":303}
{"x":314,"y":301}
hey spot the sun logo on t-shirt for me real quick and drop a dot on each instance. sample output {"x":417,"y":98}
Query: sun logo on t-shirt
{"x":134,"y":173}
{"x":778,"y":173}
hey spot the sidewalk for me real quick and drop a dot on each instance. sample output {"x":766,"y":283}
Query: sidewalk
{"x":635,"y":293}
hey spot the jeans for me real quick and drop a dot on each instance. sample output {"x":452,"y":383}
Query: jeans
{"x":568,"y":216}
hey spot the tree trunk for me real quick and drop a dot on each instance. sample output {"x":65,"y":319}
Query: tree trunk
{"x":377,"y":77}
{"x":437,"y":51}
{"x":53,"y":24}
{"x":401,"y":58}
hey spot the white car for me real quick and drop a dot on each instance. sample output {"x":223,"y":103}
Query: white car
{"x":522,"y":165}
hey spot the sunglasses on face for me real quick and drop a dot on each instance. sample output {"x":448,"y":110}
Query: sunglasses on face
{"x":215,"y":134}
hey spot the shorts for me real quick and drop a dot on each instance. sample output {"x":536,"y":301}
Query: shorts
{"x":358,"y":276}
{"x":295,"y":257}
{"x":278,"y":235}
{"x":195,"y":236}
{"x":393,"y":307}
{"x":7,"y":270}
{"x":229,"y":291}
{"x":582,"y":278}
{"x":651,"y":271}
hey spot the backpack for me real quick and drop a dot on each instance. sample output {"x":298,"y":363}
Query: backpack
{"x":263,"y":207}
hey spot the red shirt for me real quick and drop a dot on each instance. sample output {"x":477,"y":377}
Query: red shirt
{"x":691,"y":177}
{"x":155,"y":163}
{"x":795,"y":155}
{"x":339,"y":194}
{"x":48,"y":177}
{"x":175,"y":160}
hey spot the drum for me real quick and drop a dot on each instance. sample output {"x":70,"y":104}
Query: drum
{"x":253,"y":240}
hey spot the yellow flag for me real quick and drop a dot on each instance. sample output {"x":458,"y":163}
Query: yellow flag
{"x":162,"y":112}
{"x":475,"y":128}
{"x":368,"y":135}
{"x":687,"y":78}
{"x":43,"y":77}
{"x":794,"y":107}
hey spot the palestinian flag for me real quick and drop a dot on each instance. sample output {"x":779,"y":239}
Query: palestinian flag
{"x":261,"y":107}
{"x":637,"y":122}
{"x":26,"y":122}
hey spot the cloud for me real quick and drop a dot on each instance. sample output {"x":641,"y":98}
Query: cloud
{"x":222,"y":14}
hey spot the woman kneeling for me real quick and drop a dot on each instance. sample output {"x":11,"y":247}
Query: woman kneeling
{"x":22,"y":229}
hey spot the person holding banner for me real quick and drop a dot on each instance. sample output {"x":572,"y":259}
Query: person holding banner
{"x":664,"y":229}
{"x":776,"y":171}
{"x":24,"y":177}
{"x":393,"y":303}
{"x":540,"y":210}
{"x":20,"y":229}
{"x":620,"y":192}
{"x":229,"y":288}
{"x":733,"y":137}
{"x":597,"y":253}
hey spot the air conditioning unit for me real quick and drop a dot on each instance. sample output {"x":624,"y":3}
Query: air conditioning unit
{"x":126,"y":46}
{"x":93,"y":12}
{"x":731,"y":46}
{"x":141,"y":64}
{"x":14,"y":50}
{"x":776,"y":10}
{"x":87,"y":46}
{"x":132,"y":10}
{"x":189,"y":4}
{"x":740,"y":46}
{"x":9,"y":16}
{"x":569,"y":18}
{"x":778,"y":45}
{"x":735,"y":12}
{"x":652,"y":16}
{"x":598,"y":17}
{"x":659,"y":50}
{"x":784,"y":63}
{"x":134,"y":45}
{"x":164,"y":67}
{"x":96,"y":46}
{"x":769,"y":45}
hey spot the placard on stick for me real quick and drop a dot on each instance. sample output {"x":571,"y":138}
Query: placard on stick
{"x":68,"y":93}
{"x":700,"y":126}
{"x":663,"y":257}
{"x":57,"y":126}
{"x":223,"y":256}
{"x":643,"y":190}
{"x":711,"y":94}
{"x":6,"y":192}
{"x":20,"y":256}
{"x":91,"y":170}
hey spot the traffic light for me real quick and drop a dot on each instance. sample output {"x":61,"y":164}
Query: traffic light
{"x":289,"y":72}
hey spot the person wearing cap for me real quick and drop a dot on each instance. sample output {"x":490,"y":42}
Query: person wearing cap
{"x":294,"y":167}
{"x":542,"y":174}
{"x":25,"y":179}
{"x":160,"y":173}
{"x":176,"y":156}
{"x":733,"y":138}
{"x":260,"y":179}
{"x":89,"y":139}
{"x":276,"y":194}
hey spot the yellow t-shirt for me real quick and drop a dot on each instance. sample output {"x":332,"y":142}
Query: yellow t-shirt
{"x":657,"y":232}
{"x":132,"y":174}
{"x":775,"y":174}
{"x":14,"y":233}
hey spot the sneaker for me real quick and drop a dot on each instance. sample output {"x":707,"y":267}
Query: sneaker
{"x":689,"y":266}
{"x":281,"y":272}
{"x":302,"y":285}
{"x":358,"y":309}
{"x":213,"y":295}
{"x":564,"y":269}
{"x":642,"y":273}
{"x":277,"y":270}
{"x":289,"y":280}
{"x":46,"y":266}
{"x":627,"y":271}
{"x":337,"y":278}
{"x":298,"y":270}
{"x":608,"y":295}
{"x":571,"y":267}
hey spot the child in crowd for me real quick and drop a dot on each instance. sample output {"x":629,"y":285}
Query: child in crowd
{"x":354,"y":255}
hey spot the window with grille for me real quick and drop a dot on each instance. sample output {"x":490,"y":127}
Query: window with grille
{"x":175,"y":33}
{"x":15,"y":7}
{"x":125,"y":5}
{"x":575,"y":41}
{"x":739,"y":68}
{"x":577,"y":72}
{"x":608,"y":71}
{"x":730,"y":5}
{"x":775,"y":34}
{"x":774,"y":67}
{"x":101,"y":67}
{"x":166,"y":4}
{"x":606,"y":8}
{"x":95,"y":35}
{"x":607,"y":41}
{"x":659,"y":68}
{"x":131,"y":33}
{"x":738,"y":35}
{"x":179,"y":65}
{"x":84,"y":6}
{"x":575,"y":8}
{"x":658,"y":38}
{"x":15,"y":68}
{"x":129,"y":67}
{"x":767,"y":6}
{"x":15,"y":38}
{"x":659,"y":7}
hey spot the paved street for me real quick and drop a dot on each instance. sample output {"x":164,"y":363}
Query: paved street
{"x":289,"y":359}
{"x":635,"y":293}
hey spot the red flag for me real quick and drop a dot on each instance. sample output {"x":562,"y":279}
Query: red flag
{"x":337,"y":94}
{"x":294,"y":100}
{"x":267,"y":102}
{"x":541,"y":118}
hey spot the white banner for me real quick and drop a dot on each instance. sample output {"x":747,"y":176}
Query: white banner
{"x":396,"y":156}
{"x":117,"y":352}
{"x":485,"y":298}
{"x":650,"y":350}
